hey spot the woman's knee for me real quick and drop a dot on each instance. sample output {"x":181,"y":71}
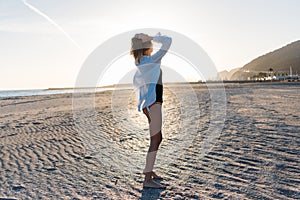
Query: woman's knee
{"x":156,"y":139}
{"x":160,"y":138}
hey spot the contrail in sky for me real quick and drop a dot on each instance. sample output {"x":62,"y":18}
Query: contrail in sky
{"x":34,"y":9}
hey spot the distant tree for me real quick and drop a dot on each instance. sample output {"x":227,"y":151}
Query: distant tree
{"x":262,"y":74}
{"x":254,"y":77}
{"x":271,"y":71}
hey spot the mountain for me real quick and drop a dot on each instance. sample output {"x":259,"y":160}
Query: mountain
{"x":279,"y":60}
{"x":226,"y":75}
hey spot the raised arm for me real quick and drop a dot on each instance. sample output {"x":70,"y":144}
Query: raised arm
{"x":166,"y":43}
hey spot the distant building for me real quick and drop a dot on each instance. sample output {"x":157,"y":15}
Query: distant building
{"x":287,"y":78}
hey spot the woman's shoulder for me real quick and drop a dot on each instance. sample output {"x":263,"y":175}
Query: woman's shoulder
{"x":145,"y":59}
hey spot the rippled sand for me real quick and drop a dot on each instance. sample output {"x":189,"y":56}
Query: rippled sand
{"x":50,"y":151}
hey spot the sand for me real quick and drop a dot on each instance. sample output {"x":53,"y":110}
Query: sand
{"x":47,"y":152}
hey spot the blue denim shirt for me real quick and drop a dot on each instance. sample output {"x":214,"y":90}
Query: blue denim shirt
{"x":147,"y":74}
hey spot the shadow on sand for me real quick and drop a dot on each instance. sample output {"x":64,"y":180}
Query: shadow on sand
{"x":151,"y":193}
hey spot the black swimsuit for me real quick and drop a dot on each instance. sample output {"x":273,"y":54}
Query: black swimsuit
{"x":159,"y":89}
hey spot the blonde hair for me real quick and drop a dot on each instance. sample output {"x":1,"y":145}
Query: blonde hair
{"x":139,"y":48}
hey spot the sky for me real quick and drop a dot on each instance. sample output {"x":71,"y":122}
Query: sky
{"x":43,"y":43}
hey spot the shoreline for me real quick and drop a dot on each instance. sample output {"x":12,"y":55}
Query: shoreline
{"x":50,"y":91}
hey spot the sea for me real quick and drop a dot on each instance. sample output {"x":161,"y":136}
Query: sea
{"x":19,"y":93}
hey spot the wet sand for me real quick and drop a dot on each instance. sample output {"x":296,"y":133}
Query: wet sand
{"x":48,"y":153}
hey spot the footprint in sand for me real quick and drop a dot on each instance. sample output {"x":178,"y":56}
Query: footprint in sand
{"x":18,"y":187}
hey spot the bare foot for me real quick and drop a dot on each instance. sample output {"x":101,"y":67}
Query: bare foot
{"x":152,"y":184}
{"x":154,"y":175}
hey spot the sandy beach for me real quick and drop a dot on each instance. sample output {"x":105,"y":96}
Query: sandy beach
{"x":47,"y":154}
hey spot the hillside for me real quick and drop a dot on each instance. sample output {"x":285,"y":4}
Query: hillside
{"x":279,"y":60}
{"x":226,"y":75}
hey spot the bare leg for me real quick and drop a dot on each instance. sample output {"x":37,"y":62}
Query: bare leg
{"x":150,"y":160}
{"x":152,"y":151}
{"x":155,"y":122}
{"x":153,"y":175}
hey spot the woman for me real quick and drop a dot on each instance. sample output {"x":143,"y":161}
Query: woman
{"x":149,"y":91}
